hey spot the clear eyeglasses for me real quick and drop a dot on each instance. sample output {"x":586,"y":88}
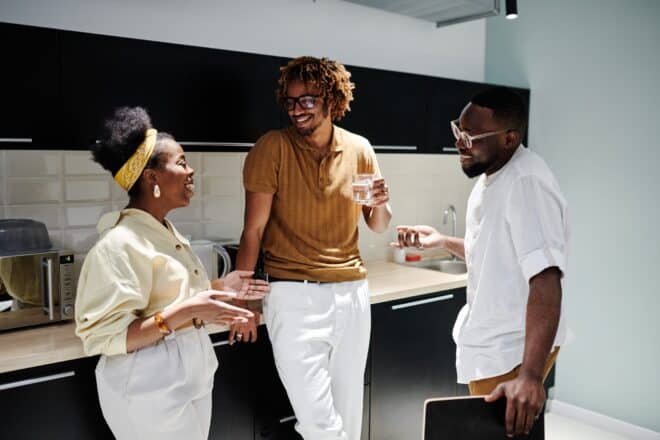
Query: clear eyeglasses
{"x":306,"y":102}
{"x":467,"y":139}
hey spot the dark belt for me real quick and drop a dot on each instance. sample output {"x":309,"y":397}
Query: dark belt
{"x":287,"y":280}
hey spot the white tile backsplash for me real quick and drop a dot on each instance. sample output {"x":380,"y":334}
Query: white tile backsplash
{"x":80,"y":240}
{"x":223,"y":209}
{"x":27,"y":191}
{"x":81,"y":163}
{"x":227,"y":186}
{"x":33,"y":163}
{"x":223,"y":164}
{"x":87,"y":190}
{"x":50,"y":215}
{"x":85,"y":214}
{"x":79,"y":192}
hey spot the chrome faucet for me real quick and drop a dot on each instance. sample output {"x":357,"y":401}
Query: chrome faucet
{"x":450,"y":210}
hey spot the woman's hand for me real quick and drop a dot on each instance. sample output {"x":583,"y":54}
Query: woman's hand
{"x":213,"y":306}
{"x":241,"y":282}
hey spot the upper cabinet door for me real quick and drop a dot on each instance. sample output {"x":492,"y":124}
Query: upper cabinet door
{"x":29,"y":86}
{"x":205,"y":98}
{"x":390,"y":109}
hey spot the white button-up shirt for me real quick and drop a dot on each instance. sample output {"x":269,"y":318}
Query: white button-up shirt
{"x":516,"y":227}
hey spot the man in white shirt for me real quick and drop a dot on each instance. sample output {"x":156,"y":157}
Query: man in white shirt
{"x":509,"y":333}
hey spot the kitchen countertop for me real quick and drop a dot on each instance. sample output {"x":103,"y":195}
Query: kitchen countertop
{"x":57,"y":343}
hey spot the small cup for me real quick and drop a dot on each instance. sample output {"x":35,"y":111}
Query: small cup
{"x":362,"y":188}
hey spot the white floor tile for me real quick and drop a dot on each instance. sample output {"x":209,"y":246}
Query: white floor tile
{"x":563,"y":428}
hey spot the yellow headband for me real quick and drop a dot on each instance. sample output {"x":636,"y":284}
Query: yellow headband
{"x":129,"y":173}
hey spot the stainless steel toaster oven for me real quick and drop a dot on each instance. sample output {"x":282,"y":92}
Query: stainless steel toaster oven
{"x":36,"y":288}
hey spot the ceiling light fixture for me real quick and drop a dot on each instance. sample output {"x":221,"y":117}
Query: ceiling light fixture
{"x":511,"y":9}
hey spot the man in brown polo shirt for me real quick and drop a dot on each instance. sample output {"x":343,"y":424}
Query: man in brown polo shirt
{"x":299,"y":208}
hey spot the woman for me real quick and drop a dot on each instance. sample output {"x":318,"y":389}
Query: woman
{"x":143,"y":295}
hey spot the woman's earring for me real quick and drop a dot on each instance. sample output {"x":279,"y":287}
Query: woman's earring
{"x":156,"y":191}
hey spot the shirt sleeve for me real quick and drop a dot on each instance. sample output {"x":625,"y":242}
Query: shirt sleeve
{"x":261,"y":168}
{"x":535,"y":214}
{"x":114,"y":286}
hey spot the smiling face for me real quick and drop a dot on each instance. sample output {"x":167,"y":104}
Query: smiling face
{"x":488,"y":154}
{"x":307,"y":121}
{"x":174,"y":176}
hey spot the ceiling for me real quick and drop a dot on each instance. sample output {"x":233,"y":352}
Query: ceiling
{"x":441,"y":12}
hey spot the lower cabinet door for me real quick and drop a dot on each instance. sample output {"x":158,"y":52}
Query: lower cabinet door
{"x":413,"y":359}
{"x":52,"y":402}
{"x":233,"y":391}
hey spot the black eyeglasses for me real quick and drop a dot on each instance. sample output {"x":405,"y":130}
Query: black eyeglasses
{"x":306,"y":102}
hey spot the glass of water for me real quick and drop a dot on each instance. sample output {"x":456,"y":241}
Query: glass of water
{"x":362,"y":188}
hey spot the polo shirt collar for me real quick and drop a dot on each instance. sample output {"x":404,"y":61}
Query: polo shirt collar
{"x":336,"y":143}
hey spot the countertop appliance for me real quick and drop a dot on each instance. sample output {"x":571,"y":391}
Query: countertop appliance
{"x":36,"y":280}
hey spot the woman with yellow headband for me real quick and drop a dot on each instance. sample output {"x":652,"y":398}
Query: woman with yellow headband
{"x":144,"y":296}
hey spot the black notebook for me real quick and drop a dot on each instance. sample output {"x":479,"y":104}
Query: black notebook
{"x":471,"y":418}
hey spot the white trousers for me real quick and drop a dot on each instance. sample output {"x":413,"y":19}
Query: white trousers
{"x":320,"y":338}
{"x":160,"y":392}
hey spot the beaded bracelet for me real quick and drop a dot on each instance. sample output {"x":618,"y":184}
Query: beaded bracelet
{"x":161,"y":324}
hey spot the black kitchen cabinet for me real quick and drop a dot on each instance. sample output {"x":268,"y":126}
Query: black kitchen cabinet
{"x":413,"y":359}
{"x":53,"y":401}
{"x":390,"y":109}
{"x":233,"y":390}
{"x":208,"y":99}
{"x":29,"y":86}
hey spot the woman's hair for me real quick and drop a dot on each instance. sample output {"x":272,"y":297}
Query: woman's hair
{"x":122,"y":135}
{"x":331,"y":78}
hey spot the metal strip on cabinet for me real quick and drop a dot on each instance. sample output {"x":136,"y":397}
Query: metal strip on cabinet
{"x":396,"y":147}
{"x":26,"y":382}
{"x":18,"y":140}
{"x":215,"y":144}
{"x":420,"y":302}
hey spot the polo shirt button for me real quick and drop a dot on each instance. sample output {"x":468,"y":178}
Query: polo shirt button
{"x":178,"y":247}
{"x":196,"y":272}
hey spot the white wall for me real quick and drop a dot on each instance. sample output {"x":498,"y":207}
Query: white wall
{"x":350,"y":33}
{"x":593,"y":67}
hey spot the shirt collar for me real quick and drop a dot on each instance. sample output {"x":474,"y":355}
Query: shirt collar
{"x":336,"y":143}
{"x":489,"y":179}
{"x":111,"y":219}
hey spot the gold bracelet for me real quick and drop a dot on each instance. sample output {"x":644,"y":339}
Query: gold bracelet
{"x":161,"y":324}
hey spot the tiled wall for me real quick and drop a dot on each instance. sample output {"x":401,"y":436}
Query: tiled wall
{"x":69,"y":192}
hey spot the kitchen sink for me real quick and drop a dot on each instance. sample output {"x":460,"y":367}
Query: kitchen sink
{"x":446,"y":266}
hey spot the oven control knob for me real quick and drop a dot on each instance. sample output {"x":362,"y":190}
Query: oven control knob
{"x":68,"y":310}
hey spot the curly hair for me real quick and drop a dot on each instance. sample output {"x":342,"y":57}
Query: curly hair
{"x":122,"y":135}
{"x":331,"y":77}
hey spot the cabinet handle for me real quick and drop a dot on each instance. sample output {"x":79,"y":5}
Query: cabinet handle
{"x":450,"y":149}
{"x":21,"y":140}
{"x":26,"y":382}
{"x":219,"y":343}
{"x":215,"y":144}
{"x":396,"y":147}
{"x":287,"y":419}
{"x":422,"y":301}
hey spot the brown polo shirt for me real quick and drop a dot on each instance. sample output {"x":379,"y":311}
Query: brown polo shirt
{"x":312,"y":232}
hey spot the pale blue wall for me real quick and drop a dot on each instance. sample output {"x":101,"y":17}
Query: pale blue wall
{"x":593,"y":67}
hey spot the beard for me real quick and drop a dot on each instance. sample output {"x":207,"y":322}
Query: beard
{"x":475,"y":169}
{"x":304,"y":132}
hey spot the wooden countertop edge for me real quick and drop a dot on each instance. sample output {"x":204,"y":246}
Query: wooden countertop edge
{"x":58,"y":343}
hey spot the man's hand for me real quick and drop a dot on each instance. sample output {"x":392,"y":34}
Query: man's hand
{"x":525,"y":397}
{"x":420,"y":236}
{"x":380,"y":193}
{"x":244,"y":331}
